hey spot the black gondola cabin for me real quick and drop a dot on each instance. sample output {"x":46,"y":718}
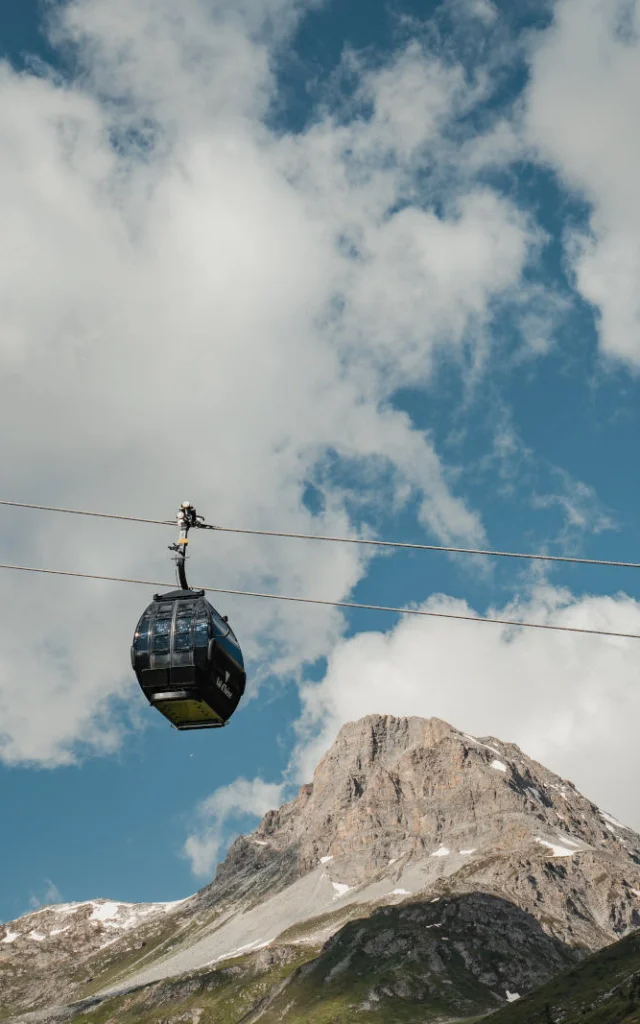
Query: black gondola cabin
{"x":188,"y":661}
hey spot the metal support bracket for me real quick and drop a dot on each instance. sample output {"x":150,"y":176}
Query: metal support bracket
{"x":187,"y":519}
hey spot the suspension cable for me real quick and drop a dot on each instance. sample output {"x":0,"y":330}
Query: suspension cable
{"x":83,"y":512}
{"x":406,"y":545}
{"x":333,"y":604}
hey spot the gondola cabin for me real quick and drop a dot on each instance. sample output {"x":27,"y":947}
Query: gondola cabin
{"x":188,"y":661}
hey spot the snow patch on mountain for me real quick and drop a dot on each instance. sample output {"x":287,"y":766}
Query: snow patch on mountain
{"x":614,"y":821}
{"x":340,"y":889}
{"x":558,"y":851}
{"x":105,"y":911}
{"x":479,"y":743}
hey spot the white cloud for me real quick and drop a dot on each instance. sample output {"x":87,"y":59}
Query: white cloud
{"x":182,"y":316}
{"x":582,"y":118}
{"x":570,"y":701}
{"x":241,"y":797}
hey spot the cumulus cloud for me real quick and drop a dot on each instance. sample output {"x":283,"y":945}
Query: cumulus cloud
{"x":581,"y":116}
{"x":241,"y":798}
{"x":195,"y":305}
{"x":570,"y":701}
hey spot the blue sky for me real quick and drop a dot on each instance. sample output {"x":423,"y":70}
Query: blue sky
{"x":326,"y":268}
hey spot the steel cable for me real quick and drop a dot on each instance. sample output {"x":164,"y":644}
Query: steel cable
{"x":407,"y":545}
{"x":334,"y":604}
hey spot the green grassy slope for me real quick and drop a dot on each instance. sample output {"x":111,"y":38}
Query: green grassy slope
{"x":603,"y":989}
{"x":227,"y":995}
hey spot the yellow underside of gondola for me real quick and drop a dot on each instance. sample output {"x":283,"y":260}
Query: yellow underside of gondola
{"x":188,"y":713}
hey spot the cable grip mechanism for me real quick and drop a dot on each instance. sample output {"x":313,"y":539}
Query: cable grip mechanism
{"x":187,"y":518}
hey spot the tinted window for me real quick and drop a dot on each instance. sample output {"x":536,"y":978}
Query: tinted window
{"x":183,"y":625}
{"x":201,"y":634}
{"x":182,"y":642}
{"x":162,"y":627}
{"x":160,"y":644}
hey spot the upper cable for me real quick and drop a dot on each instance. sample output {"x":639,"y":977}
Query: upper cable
{"x":406,"y":545}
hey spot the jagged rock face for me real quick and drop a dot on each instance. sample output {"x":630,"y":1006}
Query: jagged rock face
{"x":93,"y":925}
{"x":478,"y":812}
{"x":53,"y":951}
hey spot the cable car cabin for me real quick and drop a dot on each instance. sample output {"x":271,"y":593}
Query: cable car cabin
{"x":188,"y":661}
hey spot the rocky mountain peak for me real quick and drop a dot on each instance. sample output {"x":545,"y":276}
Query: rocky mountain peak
{"x":380,"y":739}
{"x":416,"y":803}
{"x":406,"y":821}
{"x":392,"y":787}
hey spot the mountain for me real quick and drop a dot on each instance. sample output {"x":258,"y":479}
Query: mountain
{"x":423,"y":871}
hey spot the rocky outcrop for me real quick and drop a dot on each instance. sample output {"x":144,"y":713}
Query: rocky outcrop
{"x":392,"y":786}
{"x":54,"y":952}
{"x":397,"y":794}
